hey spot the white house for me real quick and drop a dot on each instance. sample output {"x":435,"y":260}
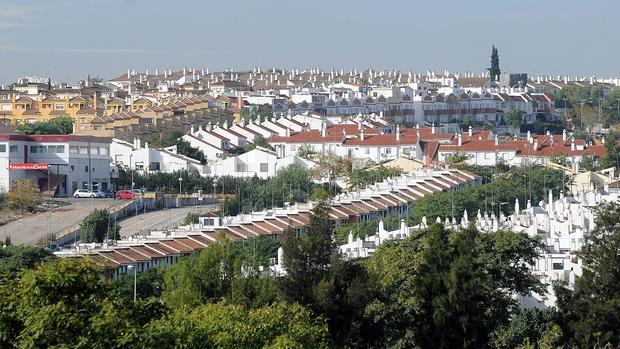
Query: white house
{"x":260,"y":162}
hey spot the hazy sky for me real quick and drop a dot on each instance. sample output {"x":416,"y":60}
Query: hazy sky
{"x":69,"y":39}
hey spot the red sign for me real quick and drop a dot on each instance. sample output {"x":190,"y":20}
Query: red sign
{"x":28,"y":166}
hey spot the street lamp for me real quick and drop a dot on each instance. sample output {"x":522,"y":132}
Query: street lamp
{"x":180,"y":181}
{"x":131,"y":169}
{"x":135,"y":279}
{"x":214,"y":187}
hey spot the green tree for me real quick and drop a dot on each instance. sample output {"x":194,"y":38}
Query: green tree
{"x":98,"y":226}
{"x":202,"y":277}
{"x":589,"y":314}
{"x":316,"y":276}
{"x":560,"y":159}
{"x":59,"y":125}
{"x":191,"y":218}
{"x":14,"y":258}
{"x":68,"y":303}
{"x":513,"y":118}
{"x":589,"y":163}
{"x":183,"y":146}
{"x":449,"y":289}
{"x":233,"y":326}
{"x":526,"y":325}
{"x":612,"y":157}
{"x":149,"y":283}
{"x":23,"y":195}
{"x":259,"y":141}
{"x":456,"y":158}
{"x":307,"y":257}
{"x":494,"y":71}
{"x":305,"y":151}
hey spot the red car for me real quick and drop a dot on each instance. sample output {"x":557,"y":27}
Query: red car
{"x":125,"y":194}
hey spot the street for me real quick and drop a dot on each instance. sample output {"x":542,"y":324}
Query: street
{"x":29,"y":230}
{"x":154,"y":220}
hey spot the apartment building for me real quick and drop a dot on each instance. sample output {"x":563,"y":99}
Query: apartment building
{"x":58,"y":163}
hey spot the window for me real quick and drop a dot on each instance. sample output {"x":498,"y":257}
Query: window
{"x":104,"y":151}
{"x":264,"y":167}
{"x":74,"y":149}
{"x":153,"y":167}
{"x":34,"y":149}
{"x":13,"y":149}
{"x":2,"y":148}
{"x":60,"y":107}
{"x":56,"y":149}
{"x":83,"y":150}
{"x":558,"y":266}
{"x":86,"y":168}
{"x":94,"y":150}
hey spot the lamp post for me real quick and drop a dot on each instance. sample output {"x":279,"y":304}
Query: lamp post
{"x":180,"y":182}
{"x":564,"y":111}
{"x":131,"y":170}
{"x":135,"y":280}
{"x":214,"y":188}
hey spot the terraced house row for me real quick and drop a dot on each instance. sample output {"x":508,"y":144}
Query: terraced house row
{"x":391,"y":197}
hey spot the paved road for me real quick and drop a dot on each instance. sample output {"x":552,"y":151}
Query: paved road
{"x":29,"y":230}
{"x":156,"y":220}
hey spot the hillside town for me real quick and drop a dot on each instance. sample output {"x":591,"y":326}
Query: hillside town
{"x":206,"y":175}
{"x":375,"y":143}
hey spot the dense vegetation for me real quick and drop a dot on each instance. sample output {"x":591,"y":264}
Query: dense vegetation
{"x":524,"y":183}
{"x":585,"y":103}
{"x":58,"y":126}
{"x":291,"y":184}
{"x":435,"y":289}
{"x":98,"y":226}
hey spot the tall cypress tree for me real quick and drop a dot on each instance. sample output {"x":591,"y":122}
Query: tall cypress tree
{"x":494,"y":71}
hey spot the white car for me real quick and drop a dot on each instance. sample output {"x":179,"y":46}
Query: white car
{"x":99,"y":193}
{"x":84,"y":193}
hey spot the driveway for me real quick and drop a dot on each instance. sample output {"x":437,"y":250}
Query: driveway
{"x":29,"y":230}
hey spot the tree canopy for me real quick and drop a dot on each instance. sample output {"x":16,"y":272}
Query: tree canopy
{"x":58,"y":126}
{"x":98,"y":226}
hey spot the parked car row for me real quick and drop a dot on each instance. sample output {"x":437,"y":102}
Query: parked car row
{"x":85,"y":193}
{"x":121,"y":194}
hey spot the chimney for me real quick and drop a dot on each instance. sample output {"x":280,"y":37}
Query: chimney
{"x":496,"y":140}
{"x":191,"y":130}
{"x":344,"y":134}
{"x":471,"y":131}
{"x":324,"y":130}
{"x":362,"y":135}
{"x":146,"y":145}
{"x":564,"y":135}
{"x":603,"y":139}
{"x":535,"y":147}
{"x":288,"y":132}
{"x":398,"y":132}
{"x":529,"y":136}
{"x":572,"y":144}
{"x":433,"y":129}
{"x":95,"y":101}
{"x":460,"y":140}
